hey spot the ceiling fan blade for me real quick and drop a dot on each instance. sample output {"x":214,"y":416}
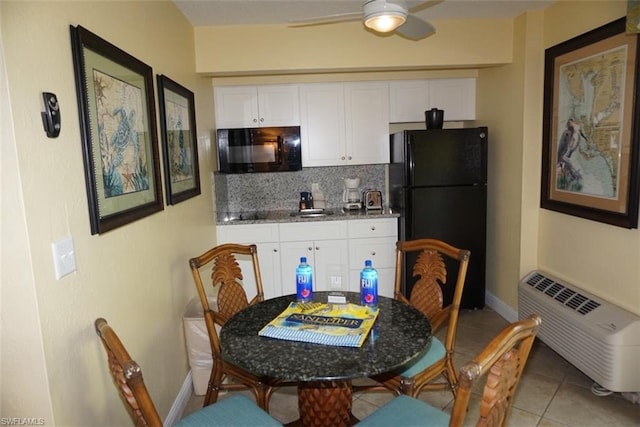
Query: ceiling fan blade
{"x":424,"y":5}
{"x":327,"y":19}
{"x":415,"y":28}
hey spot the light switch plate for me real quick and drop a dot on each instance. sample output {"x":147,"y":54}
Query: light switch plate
{"x":64,"y":257}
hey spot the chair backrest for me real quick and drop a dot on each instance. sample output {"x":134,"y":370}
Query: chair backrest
{"x":500,"y":364}
{"x":127,"y":376}
{"x":426,"y":294}
{"x":227,"y":274}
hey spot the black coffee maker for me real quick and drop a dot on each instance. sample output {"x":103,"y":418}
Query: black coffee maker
{"x":306,"y":200}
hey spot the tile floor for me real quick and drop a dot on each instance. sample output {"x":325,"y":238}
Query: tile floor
{"x":551,"y":393}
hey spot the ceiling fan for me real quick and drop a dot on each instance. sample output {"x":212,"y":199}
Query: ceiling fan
{"x":382,"y":16}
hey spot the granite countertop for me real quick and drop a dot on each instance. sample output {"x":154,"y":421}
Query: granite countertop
{"x":262,"y":217}
{"x":401,"y":333}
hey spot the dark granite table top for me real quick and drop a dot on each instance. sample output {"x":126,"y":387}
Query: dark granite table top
{"x":401,"y":333}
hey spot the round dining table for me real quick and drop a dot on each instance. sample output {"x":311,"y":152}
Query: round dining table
{"x":324,"y":372}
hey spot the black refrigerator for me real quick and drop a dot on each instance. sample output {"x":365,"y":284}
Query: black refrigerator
{"x":438,"y":182}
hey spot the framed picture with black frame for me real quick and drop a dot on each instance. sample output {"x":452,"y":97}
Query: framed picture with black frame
{"x":179,"y":140}
{"x":591,"y":126}
{"x":119,"y":136}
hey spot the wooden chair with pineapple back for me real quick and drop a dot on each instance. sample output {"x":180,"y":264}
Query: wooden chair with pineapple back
{"x":427,"y":296}
{"x":227,"y":276}
{"x":234,"y":410}
{"x":497,"y":368}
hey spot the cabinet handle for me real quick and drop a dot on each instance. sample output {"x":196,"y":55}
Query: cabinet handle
{"x":255,"y":120}
{"x":310,"y":248}
{"x":317,"y":248}
{"x":373,"y":253}
{"x":261,"y":119}
{"x":373,"y":228}
{"x":342,"y":158}
{"x":275,"y":250}
{"x":350,"y":157}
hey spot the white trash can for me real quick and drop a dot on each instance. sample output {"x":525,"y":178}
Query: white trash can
{"x":198,"y":347}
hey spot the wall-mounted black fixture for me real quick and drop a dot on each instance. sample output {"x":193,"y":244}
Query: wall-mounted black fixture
{"x":51,"y":114}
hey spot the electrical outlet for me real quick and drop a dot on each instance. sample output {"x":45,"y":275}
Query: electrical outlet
{"x":64,"y":257}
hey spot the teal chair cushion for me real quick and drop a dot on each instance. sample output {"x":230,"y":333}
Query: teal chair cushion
{"x":406,"y":411}
{"x":232,"y":411}
{"x":435,"y":352}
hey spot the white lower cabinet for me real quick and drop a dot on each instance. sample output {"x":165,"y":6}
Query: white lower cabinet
{"x":265,"y":237}
{"x":324,"y":243}
{"x":373,"y":239}
{"x":322,"y":255}
{"x":333,"y":249}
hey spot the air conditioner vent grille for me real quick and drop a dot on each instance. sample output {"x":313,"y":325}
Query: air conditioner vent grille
{"x":562,"y":294}
{"x":553,"y":289}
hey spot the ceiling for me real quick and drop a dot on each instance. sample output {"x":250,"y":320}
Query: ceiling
{"x":253,"y":12}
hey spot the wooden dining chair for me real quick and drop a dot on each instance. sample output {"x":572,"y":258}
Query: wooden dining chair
{"x":236,"y":410}
{"x":498,"y":367}
{"x":427,"y":296}
{"x":227,"y":277}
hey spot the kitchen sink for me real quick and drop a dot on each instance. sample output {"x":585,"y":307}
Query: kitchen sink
{"x":246,"y":216}
{"x":311,"y":213}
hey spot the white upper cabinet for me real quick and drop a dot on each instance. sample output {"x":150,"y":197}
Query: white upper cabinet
{"x":256,"y":106}
{"x":344,"y":123}
{"x":322,"y":125}
{"x":367,"y":122}
{"x":457,"y":97}
{"x":409,"y":99}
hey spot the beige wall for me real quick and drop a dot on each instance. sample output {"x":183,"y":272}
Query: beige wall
{"x":509,"y":107}
{"x":277,"y":49}
{"x":136,"y":276}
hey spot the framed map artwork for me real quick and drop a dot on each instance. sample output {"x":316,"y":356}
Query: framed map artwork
{"x":118,"y":127}
{"x":591,"y":126}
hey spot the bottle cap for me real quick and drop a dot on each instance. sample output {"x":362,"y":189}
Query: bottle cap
{"x":303,"y":259}
{"x":367,"y":263}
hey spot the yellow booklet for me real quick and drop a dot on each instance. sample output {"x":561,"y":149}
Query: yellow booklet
{"x":345,"y":325}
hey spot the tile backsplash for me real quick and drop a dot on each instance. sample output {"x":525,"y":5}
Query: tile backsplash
{"x":281,"y":190}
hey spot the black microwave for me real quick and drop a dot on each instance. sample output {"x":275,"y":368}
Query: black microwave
{"x":268,"y":149}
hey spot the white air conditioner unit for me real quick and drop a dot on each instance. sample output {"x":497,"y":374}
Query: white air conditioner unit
{"x":597,"y":337}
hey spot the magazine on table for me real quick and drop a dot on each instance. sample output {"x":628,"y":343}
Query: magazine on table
{"x":345,"y":325}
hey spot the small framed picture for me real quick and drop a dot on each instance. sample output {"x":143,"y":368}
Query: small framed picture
{"x":179,"y":141}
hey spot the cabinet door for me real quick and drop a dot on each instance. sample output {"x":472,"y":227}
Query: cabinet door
{"x":322,"y":124}
{"x":236,"y":106}
{"x":367,"y":122}
{"x":278,"y":105}
{"x":321,"y":255}
{"x":457,"y":97}
{"x":265,"y":236}
{"x":407,"y":100}
{"x":328,"y":254}
{"x":269,"y":258}
{"x":290,"y":253}
{"x":380,"y":250}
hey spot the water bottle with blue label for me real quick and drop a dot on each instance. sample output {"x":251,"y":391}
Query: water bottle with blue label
{"x":368,"y":285}
{"x":304,"y":281}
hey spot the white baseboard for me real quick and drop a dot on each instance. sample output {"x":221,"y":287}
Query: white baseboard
{"x":501,"y":308}
{"x":181,"y":402}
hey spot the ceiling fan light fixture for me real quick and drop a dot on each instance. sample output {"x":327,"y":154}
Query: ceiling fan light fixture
{"x":384,"y":17}
{"x":385,"y":22}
